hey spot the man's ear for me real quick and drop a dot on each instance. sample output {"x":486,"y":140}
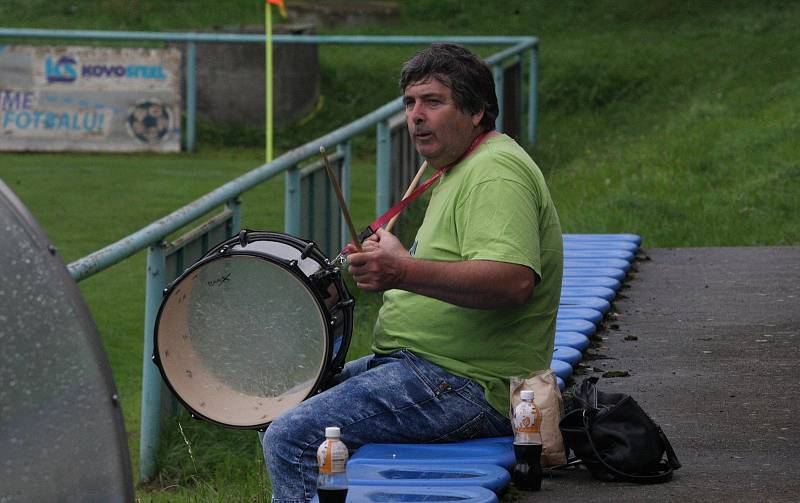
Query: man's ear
{"x":478,"y":117}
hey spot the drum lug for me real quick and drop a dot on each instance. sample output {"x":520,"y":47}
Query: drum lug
{"x":307,"y":250}
{"x":243,"y":238}
{"x":322,"y":279}
{"x":322,"y":275}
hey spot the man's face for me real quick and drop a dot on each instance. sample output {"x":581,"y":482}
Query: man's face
{"x":441,"y":132}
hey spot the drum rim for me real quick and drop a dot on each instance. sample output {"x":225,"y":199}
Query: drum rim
{"x":218,"y":253}
{"x":252,"y":236}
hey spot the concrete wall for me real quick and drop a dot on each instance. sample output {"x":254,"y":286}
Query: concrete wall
{"x":231,"y":77}
{"x":351,"y":13}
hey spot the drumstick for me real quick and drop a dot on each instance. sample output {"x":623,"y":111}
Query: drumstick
{"x":409,"y":190}
{"x":340,"y":198}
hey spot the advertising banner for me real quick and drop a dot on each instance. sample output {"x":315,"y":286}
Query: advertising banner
{"x":89,"y":99}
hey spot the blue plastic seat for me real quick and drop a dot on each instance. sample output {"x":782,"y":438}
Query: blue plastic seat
{"x":567,"y":354}
{"x":603,"y":281}
{"x":418,"y":494}
{"x":562,"y":369}
{"x":574,"y":340}
{"x":579,"y":313}
{"x":599,"y":253}
{"x":582,"y":326}
{"x":596,"y":303}
{"x":597,"y":262}
{"x":490,"y":476}
{"x":448,"y":454}
{"x":574,"y":290}
{"x":601,"y":245}
{"x":561,"y":383}
{"x":607,"y":272}
{"x":633,"y":238}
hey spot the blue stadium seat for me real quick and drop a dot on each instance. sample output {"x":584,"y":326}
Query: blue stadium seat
{"x":585,"y":327}
{"x":579,"y":313}
{"x":567,"y":354}
{"x":596,"y":262}
{"x":562,"y":369}
{"x":601,"y":245}
{"x":633,"y":238}
{"x":603,"y":281}
{"x":596,"y":303}
{"x":390,"y":473}
{"x":599,"y":253}
{"x":451,"y":454}
{"x":418,"y":494}
{"x":607,"y":272}
{"x":575,"y":340}
{"x":574,"y":290}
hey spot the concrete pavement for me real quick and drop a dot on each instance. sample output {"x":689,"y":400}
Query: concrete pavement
{"x":710,"y":337}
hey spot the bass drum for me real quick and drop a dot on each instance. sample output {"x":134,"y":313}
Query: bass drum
{"x":253,"y":328}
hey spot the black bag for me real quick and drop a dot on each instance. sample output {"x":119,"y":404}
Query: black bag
{"x":615,"y":438}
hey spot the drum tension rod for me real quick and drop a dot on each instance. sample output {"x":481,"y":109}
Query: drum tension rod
{"x":243,"y":238}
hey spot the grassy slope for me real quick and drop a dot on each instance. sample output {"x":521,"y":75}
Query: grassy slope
{"x":676,"y":120}
{"x":698,"y":151}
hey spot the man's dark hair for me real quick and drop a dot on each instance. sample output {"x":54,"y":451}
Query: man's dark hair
{"x":469,"y":79}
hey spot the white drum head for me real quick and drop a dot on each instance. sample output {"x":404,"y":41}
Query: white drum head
{"x":241,"y":339}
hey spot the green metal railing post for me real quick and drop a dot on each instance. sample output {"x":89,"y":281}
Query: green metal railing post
{"x":346,"y":149}
{"x":150,"y":429}
{"x":235,"y":205}
{"x":291,"y":204}
{"x":533,"y":76}
{"x":499,"y":79}
{"x":383,"y":178}
{"x":191,"y":94}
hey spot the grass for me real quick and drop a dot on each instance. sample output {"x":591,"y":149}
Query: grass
{"x":674,"y":120}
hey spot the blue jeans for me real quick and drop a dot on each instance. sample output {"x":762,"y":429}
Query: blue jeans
{"x":378,"y":399}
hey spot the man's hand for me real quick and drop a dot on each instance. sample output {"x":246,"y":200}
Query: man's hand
{"x":381,"y":266}
{"x":480,"y":284}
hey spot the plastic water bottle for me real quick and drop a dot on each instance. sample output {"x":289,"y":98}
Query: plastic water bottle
{"x":527,"y":443}
{"x":332,"y":459}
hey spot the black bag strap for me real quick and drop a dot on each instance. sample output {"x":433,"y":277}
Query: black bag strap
{"x":672,"y":459}
{"x":664,"y":469}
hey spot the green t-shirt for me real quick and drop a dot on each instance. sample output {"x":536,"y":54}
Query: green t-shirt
{"x":494,"y":205}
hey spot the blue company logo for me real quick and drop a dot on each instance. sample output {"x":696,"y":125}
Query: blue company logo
{"x":120,"y":71}
{"x":62,"y":70}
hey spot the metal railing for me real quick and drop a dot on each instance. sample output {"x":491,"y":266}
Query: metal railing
{"x":166,"y":260}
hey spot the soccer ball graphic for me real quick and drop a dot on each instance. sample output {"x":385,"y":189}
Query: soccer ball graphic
{"x":149,"y":121}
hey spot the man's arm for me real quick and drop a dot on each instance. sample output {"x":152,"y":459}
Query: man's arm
{"x":478,"y":284}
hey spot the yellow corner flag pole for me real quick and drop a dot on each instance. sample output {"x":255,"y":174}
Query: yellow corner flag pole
{"x":268,"y":63}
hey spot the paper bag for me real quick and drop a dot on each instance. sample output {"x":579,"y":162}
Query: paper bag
{"x":547,"y":397}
